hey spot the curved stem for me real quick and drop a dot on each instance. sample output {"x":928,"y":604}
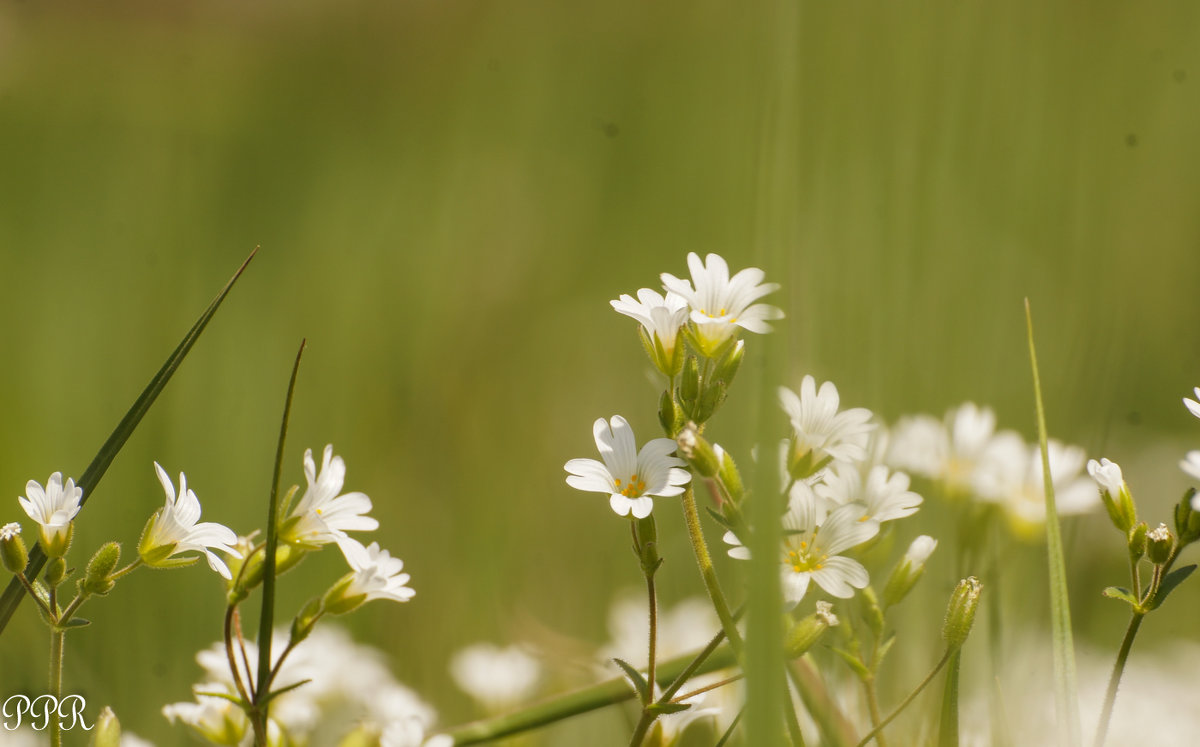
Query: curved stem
{"x":1110,"y":697}
{"x":33,"y":595}
{"x":711,"y":583}
{"x":56,"y":660}
{"x":911,"y":696}
{"x":229,"y":655}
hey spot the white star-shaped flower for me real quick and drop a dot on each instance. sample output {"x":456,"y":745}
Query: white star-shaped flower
{"x":661,"y":317}
{"x":53,"y":508}
{"x":173,"y":530}
{"x":819,"y":431}
{"x":812,"y":541}
{"x":881,"y":496}
{"x":627,"y":475}
{"x":322,"y":516}
{"x":720,"y":303}
{"x":375,"y":573}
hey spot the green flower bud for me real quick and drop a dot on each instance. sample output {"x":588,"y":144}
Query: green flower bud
{"x":646,"y":548}
{"x":728,"y":366}
{"x":108,"y":730}
{"x":98,"y":579}
{"x":1159,"y":542}
{"x":1137,"y":540}
{"x":56,"y":571}
{"x":809,"y":630}
{"x":730,"y":477}
{"x":689,"y":382}
{"x":306,"y":619}
{"x":338,"y":600}
{"x":12,"y":548}
{"x":710,"y":399}
{"x":669,"y":414}
{"x":697,"y":451}
{"x":960,"y":613}
{"x":909,"y":570}
{"x":1187,"y":519}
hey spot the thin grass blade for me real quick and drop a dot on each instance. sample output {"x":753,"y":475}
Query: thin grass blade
{"x":13,"y":594}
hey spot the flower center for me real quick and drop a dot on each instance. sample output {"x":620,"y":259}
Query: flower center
{"x":806,"y":558}
{"x":633,"y":489}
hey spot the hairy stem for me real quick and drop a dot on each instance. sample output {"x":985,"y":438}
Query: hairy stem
{"x":707,"y":571}
{"x":1110,"y":696}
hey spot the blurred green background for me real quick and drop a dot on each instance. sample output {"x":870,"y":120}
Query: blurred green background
{"x":448,"y":193}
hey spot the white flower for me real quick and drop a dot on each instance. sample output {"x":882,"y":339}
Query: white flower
{"x":376,"y":574}
{"x":1107,"y":476}
{"x":53,"y":509}
{"x":322,"y":516}
{"x":1191,"y":465}
{"x":1193,"y":405}
{"x":881,"y":496}
{"x":812,"y":541}
{"x":629,"y":476}
{"x":173,"y":530}
{"x":819,"y":429}
{"x":661,"y":316}
{"x":216,"y":719}
{"x":499,"y":678}
{"x":720,"y":303}
{"x":1022,"y":491}
{"x":410,"y":732}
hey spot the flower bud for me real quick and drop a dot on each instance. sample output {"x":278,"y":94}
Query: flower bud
{"x":12,"y":548}
{"x":729,"y":364}
{"x":338,"y":600}
{"x":697,"y":451}
{"x":1137,"y":540}
{"x":689,"y":382}
{"x":730,"y":477}
{"x":108,"y":729}
{"x":56,"y":541}
{"x":97,"y":579}
{"x":669,"y":414}
{"x":1187,"y":519}
{"x":647,"y":544}
{"x":1114,"y":492}
{"x":56,"y":571}
{"x":710,"y":399}
{"x":960,"y":613}
{"x":1159,"y":542}
{"x":908,"y":570}
{"x":809,"y":630}
{"x":306,"y":619}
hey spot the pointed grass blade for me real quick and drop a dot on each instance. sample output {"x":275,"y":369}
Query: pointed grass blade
{"x":1067,"y":698}
{"x":91,"y":476}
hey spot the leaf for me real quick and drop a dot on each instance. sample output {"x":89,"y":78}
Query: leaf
{"x":1173,"y":579}
{"x":639,"y":682}
{"x":276,"y":693}
{"x":91,"y":477}
{"x":854,"y":662}
{"x":717,"y":517}
{"x":884,"y":648}
{"x":666,"y":708}
{"x":75,"y":622}
{"x":1119,"y":592}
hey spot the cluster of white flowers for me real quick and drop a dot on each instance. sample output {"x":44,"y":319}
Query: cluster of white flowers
{"x":498,"y":678}
{"x":348,"y":687}
{"x":969,"y":458}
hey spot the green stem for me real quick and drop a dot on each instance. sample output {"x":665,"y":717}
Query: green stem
{"x":1110,"y":697}
{"x":648,"y":716}
{"x":127,"y":569}
{"x":911,"y":696}
{"x":707,"y":688}
{"x":609,"y":692}
{"x":948,"y":730}
{"x":873,"y":707}
{"x":835,"y":727}
{"x":57,"y":639}
{"x":732,"y":725}
{"x":707,"y":571}
{"x":33,"y":595}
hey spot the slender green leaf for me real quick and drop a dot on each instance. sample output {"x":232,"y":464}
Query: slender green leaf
{"x":1120,"y":592}
{"x":668,"y":708}
{"x":266,"y":620}
{"x":1173,"y":579}
{"x":95,"y":471}
{"x":639,"y":681}
{"x":76,"y":622}
{"x":1067,"y":699}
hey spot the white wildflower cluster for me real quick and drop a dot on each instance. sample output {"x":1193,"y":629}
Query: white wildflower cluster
{"x":969,"y":459}
{"x":496,"y":677}
{"x":347,"y":689}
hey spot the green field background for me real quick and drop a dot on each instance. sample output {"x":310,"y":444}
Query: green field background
{"x":447,"y":194}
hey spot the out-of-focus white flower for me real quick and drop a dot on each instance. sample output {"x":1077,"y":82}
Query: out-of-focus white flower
{"x":812,"y":541}
{"x":215,"y":719}
{"x":1191,"y":465}
{"x":498,"y":678}
{"x":53,"y":508}
{"x":720,"y":303}
{"x":1193,"y":405}
{"x":919,"y":551}
{"x":819,"y":431}
{"x":1022,"y":493}
{"x":880,"y":496}
{"x":173,"y":530}
{"x":322,"y":516}
{"x":627,"y":475}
